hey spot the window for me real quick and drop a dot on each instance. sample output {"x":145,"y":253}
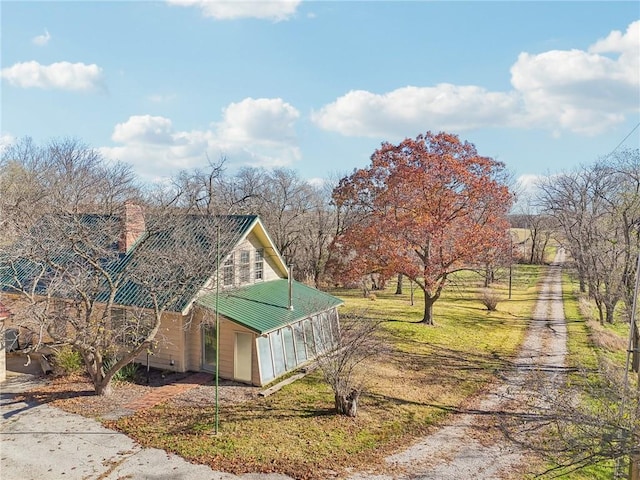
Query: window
{"x":266,"y":362}
{"x":228,"y":271}
{"x":259,"y":264}
{"x":301,"y":348}
{"x":245,"y":266}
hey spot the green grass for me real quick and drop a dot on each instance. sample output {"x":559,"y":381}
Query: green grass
{"x":589,"y":344}
{"x":429,"y":371}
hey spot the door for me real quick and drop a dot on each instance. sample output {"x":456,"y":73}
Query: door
{"x":242,"y":357}
{"x":209,"y":348}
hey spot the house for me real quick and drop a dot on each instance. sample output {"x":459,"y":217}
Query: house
{"x":266,"y":323}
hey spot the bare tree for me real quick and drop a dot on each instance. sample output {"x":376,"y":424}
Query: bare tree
{"x":598,"y":209}
{"x":93,"y":271}
{"x":591,"y":420}
{"x":197,"y":191}
{"x":344,"y":368}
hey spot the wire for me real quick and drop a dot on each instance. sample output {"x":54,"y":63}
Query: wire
{"x":623,"y":140}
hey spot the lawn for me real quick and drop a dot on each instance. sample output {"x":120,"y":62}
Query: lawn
{"x":428,"y":372}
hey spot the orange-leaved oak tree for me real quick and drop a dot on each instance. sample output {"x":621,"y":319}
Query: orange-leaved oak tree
{"x":425,"y":208}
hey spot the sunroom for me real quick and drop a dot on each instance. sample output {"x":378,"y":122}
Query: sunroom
{"x":268,"y":329}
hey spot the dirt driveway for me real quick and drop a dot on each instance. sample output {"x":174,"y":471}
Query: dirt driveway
{"x":40,"y":441}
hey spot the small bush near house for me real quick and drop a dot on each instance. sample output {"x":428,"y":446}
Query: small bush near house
{"x":128,"y":373}
{"x":67,"y":361}
{"x":490,"y":299}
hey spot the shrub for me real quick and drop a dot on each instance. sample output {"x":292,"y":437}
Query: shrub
{"x":490,"y":299}
{"x":125,"y":374}
{"x":67,"y":361}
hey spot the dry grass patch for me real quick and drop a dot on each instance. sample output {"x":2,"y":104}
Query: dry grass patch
{"x":606,"y":338}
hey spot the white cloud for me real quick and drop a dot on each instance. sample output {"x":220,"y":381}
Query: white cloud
{"x":60,"y":75}
{"x":581,"y":91}
{"x":317,"y":182}
{"x":6,"y":139}
{"x":416,"y":109}
{"x":41,"y":40}
{"x":144,"y":129}
{"x":616,"y":41}
{"x":528,"y":183}
{"x":264,"y":120}
{"x":253,"y":132}
{"x":275,"y":10}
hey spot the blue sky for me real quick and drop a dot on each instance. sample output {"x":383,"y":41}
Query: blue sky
{"x":316,"y":86}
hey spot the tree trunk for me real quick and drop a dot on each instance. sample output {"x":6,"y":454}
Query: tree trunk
{"x":428,"y":310}
{"x":399,"y":285}
{"x":610,"y":308}
{"x":96,"y":370}
{"x":634,"y":467}
{"x":103,"y":387}
{"x":347,"y":404}
{"x":600,"y":308}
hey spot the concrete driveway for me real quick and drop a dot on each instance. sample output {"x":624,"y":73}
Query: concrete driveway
{"x":40,"y":441}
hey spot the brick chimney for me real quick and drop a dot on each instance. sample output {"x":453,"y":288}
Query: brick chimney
{"x":133,"y":226}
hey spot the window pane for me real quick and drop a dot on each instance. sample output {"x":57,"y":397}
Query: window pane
{"x":228,"y":271}
{"x":326,"y":330}
{"x":245,"y":266}
{"x":289,"y":348}
{"x":266,"y":365}
{"x":308,"y":335}
{"x":301,"y":350}
{"x":259,"y":264}
{"x":335,"y":329}
{"x":278,"y":353}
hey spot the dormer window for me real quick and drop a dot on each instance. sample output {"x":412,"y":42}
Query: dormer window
{"x":258,"y":266}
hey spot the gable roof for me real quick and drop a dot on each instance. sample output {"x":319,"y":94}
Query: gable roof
{"x":263,"y":307}
{"x":188,"y":233}
{"x":151,"y":256}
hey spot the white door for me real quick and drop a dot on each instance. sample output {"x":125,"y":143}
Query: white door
{"x":242,"y":357}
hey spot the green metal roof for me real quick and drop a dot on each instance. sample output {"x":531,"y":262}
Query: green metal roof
{"x":263,"y":307}
{"x":149,"y":267}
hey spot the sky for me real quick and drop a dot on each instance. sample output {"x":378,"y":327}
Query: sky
{"x":317,"y":86}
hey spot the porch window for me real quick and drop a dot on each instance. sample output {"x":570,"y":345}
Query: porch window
{"x":245,"y":266}
{"x":228,"y":271}
{"x":258,"y":266}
